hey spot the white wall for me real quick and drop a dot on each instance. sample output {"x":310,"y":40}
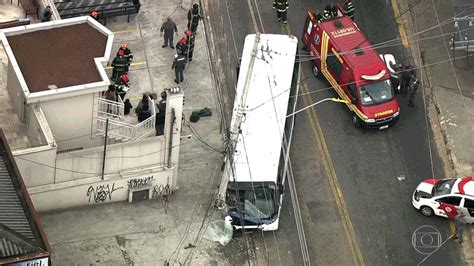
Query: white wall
{"x":120,"y":157}
{"x":70,"y":118}
{"x":36,"y":165}
{"x":98,"y":191}
{"x":16,"y":92}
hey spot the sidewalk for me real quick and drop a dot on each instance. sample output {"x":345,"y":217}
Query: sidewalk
{"x":448,"y":87}
{"x":152,"y":232}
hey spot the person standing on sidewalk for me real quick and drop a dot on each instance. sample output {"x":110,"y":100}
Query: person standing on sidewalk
{"x":459,"y":222}
{"x":281,"y":6}
{"x":194,"y":15}
{"x":179,"y":64}
{"x":161,"y":115}
{"x":169,"y":27}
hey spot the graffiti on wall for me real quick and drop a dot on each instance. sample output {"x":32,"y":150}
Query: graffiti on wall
{"x":161,"y":190}
{"x":138,"y":182}
{"x":101,"y":193}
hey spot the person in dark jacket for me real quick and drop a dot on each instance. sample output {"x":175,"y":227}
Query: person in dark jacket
{"x":190,"y":44}
{"x":179,"y":64}
{"x":47,"y":13}
{"x":144,"y":113}
{"x":95,"y":15}
{"x":194,"y":15}
{"x":161,"y":115}
{"x":281,"y":6}
{"x":334,"y":12}
{"x":169,"y":27}
{"x":119,"y":65}
{"x":140,"y":104}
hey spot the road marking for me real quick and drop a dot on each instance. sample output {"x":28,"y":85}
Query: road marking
{"x":398,"y":18}
{"x":132,"y":64}
{"x":125,"y":31}
{"x":335,"y":187}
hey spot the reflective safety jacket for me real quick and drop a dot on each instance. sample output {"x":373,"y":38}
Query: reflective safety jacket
{"x":280,"y":5}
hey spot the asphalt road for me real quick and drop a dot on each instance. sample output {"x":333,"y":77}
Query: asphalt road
{"x":376,"y":170}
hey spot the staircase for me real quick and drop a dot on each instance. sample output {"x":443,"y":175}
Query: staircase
{"x":118,"y":127}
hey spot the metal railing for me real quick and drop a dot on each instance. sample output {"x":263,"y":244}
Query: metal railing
{"x":114,"y":111}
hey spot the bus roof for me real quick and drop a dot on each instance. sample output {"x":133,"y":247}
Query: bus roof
{"x":259,"y":145}
{"x":353,"y":46}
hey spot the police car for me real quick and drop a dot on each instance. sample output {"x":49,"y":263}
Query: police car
{"x":445,"y":197}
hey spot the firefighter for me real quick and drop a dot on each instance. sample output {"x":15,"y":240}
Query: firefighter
{"x":122,"y":85}
{"x":181,"y":47}
{"x":127,"y":53}
{"x":194,"y":15}
{"x":190,"y":44}
{"x":119,"y":65}
{"x":179,"y":64}
{"x":327,"y":12}
{"x":168,"y":27}
{"x":349,"y":9}
{"x":281,"y":6}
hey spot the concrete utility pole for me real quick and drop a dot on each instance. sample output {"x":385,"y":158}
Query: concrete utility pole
{"x":235,"y":128}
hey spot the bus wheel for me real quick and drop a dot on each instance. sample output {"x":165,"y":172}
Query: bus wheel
{"x":316,"y":71}
{"x":356,"y":121}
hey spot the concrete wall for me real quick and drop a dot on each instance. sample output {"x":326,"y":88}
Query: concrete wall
{"x":97,"y":191}
{"x":120,"y":157}
{"x":36,"y":165}
{"x":15,"y":91}
{"x":33,"y":127}
{"x":70,"y":119}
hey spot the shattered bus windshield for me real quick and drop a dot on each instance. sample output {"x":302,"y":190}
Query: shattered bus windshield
{"x":256,"y":205}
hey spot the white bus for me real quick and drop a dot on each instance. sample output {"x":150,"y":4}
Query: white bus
{"x":266,"y":92}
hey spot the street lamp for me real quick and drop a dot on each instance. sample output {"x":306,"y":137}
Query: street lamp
{"x":318,"y":102}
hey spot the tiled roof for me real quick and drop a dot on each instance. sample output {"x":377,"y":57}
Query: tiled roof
{"x":18,"y":230}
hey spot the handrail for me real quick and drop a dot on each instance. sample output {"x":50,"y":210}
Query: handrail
{"x":118,"y":128}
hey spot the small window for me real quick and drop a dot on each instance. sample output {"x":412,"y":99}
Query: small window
{"x":451,"y":200}
{"x":310,"y":27}
{"x":468,"y":203}
{"x":334,"y":64}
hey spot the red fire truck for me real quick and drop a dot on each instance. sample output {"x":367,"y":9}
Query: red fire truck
{"x":344,"y":56}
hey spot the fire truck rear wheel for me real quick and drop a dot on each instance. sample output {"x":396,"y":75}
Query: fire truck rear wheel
{"x":356,"y":121}
{"x":316,"y":71}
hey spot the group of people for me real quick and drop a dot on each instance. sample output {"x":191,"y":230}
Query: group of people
{"x":185,"y":45}
{"x":409,"y":82}
{"x":184,"y":53}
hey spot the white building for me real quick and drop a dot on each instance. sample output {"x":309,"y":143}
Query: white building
{"x":55,"y":81}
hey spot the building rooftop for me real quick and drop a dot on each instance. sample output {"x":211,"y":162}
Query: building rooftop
{"x":21,"y":234}
{"x":59,"y":57}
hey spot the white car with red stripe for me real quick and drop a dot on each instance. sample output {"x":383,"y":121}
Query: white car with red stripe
{"x":445,"y":197}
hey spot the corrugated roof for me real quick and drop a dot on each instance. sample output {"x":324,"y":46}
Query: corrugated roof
{"x":19,"y":233}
